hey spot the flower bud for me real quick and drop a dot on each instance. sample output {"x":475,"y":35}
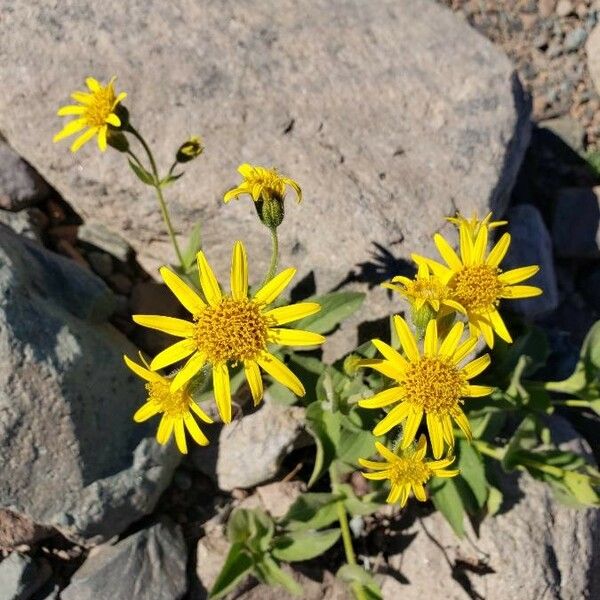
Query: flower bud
{"x":421,"y":317}
{"x":270,"y":210}
{"x":117,"y":140}
{"x":190,"y":150}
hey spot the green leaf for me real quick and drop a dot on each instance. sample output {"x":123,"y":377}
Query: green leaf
{"x":237,"y":565}
{"x":335,"y":307}
{"x":252,"y":527}
{"x":273,"y":574}
{"x":472,"y":471}
{"x":446,"y":498}
{"x":170,"y":179}
{"x":280,"y":394}
{"x":194,"y":245}
{"x":356,"y":574}
{"x":366,"y":505}
{"x":354,"y":445}
{"x":325,"y":426}
{"x":312,"y":511}
{"x":304,"y":545}
{"x":494,"y":501}
{"x":524,"y":437}
{"x":141,"y":173}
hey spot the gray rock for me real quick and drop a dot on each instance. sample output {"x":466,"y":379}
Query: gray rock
{"x":575,"y":39}
{"x":576,"y":223}
{"x":592,"y":49}
{"x":148,"y":565}
{"x":251,"y":450}
{"x":531,"y":245}
{"x":20,"y":185}
{"x":25,"y":222}
{"x":101,"y":263}
{"x":386,"y":130}
{"x":21,"y":576}
{"x":70,"y":453}
{"x":100,"y":236}
{"x":568,"y":129}
{"x":564,"y":8}
{"x":536,"y":549}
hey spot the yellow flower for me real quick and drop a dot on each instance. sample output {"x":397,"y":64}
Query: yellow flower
{"x":407,"y":472}
{"x":478,"y":283}
{"x":96,"y":111}
{"x":262,"y":184}
{"x":431,"y":384}
{"x":231,"y":329}
{"x":176,"y":408}
{"x":473,"y":224}
{"x":425,"y":289}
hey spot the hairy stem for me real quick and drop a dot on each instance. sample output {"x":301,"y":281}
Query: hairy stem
{"x":274,"y":256}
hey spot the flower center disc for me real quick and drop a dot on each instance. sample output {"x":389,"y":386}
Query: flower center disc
{"x":428,"y":289}
{"x":100,"y":107}
{"x":407,"y":470}
{"x":477,"y":286}
{"x":233,"y":330}
{"x":171,"y":403}
{"x":434,"y":385}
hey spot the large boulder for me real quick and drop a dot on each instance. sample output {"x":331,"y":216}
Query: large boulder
{"x":71,"y":456}
{"x":390,"y":114}
{"x":537,"y":548}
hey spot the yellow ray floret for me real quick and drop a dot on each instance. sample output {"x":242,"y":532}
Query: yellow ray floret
{"x":262,"y":184}
{"x":477,"y":281}
{"x":430,"y":383}
{"x":176,"y":408}
{"x":408,"y":472}
{"x":230,"y":329}
{"x":425,"y":289}
{"x":474,"y":224}
{"x":95,"y":111}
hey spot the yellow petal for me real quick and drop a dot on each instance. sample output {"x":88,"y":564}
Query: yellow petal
{"x":208,"y":281}
{"x":222,"y":389}
{"x":391,"y":354}
{"x":180,"y":436}
{"x":120,"y":98}
{"x":102,"y":139}
{"x":273,"y":288}
{"x":421,"y":448}
{"x":83,"y":138}
{"x":93,"y":84}
{"x":140,"y":371}
{"x":486,"y":331}
{"x":292,"y":312}
{"x":447,"y":429}
{"x":446,"y":472}
{"x":173,"y":354}
{"x":476,"y":366}
{"x":377,"y":476}
{"x":69,"y":129}
{"x":439,"y":270}
{"x":466,"y":245}
{"x":147,"y":410}
{"x":499,"y":326}
{"x":436,"y":434}
{"x":419,"y":491}
{"x":198,"y":411}
{"x":386,"y":452}
{"x":170,"y":325}
{"x":407,"y":339}
{"x":476,"y":391}
{"x":410,"y":428}
{"x":404,"y":494}
{"x":371,"y":464}
{"x":464,"y":349}
{"x":165,"y":428}
{"x":431,"y":338}
{"x":294,"y":337}
{"x":84,"y":98}
{"x":280,"y":372}
{"x":113,"y":120}
{"x":393,"y":418}
{"x":384,"y":398}
{"x":235,"y":192}
{"x":295,"y":187}
{"x":480,"y":245}
{"x":191,"y":367}
{"x":239,"y":272}
{"x":463,"y":423}
{"x":71,"y":109}
{"x":517,"y":275}
{"x":520,"y":291}
{"x":194,"y":430}
{"x":499,"y":251}
{"x":254,"y":379}
{"x":447,"y":252}
{"x":385,"y":367}
{"x":450,"y":343}
{"x":183,"y":292}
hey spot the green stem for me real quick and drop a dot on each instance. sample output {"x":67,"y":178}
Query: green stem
{"x":488,"y":449}
{"x":159,"y":194}
{"x":571,"y":402}
{"x":274,"y":256}
{"x":357,"y":588}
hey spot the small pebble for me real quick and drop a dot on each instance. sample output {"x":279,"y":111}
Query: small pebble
{"x":564,"y":8}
